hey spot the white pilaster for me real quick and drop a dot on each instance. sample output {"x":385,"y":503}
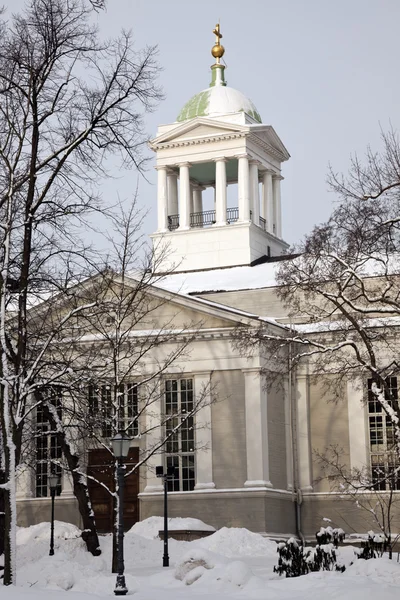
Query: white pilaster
{"x":220,"y":191}
{"x":67,"y":490}
{"x":256,"y":430}
{"x":24,"y":482}
{"x":172,"y":193}
{"x":154,"y":433}
{"x":277,"y":205}
{"x":244,"y":188}
{"x":204,"y":470}
{"x":162,"y":199}
{"x":288,"y":432}
{"x":358,"y":426}
{"x":267,"y":200}
{"x":184,"y":196}
{"x":254,"y":193}
{"x":303,"y":432}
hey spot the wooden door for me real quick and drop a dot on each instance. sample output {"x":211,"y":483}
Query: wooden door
{"x":101,"y":467}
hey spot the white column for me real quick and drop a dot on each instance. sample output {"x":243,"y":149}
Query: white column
{"x":191,"y":198}
{"x":198,"y":199}
{"x":303,"y":432}
{"x":267,"y":200}
{"x":184,"y":196}
{"x":220,"y":191}
{"x":277,"y":205}
{"x":254,"y":193}
{"x":256,"y":430}
{"x":358,"y":425}
{"x":244,"y":188}
{"x":204,"y":470}
{"x":172,"y":193}
{"x":162,"y":199}
{"x":154,"y":397}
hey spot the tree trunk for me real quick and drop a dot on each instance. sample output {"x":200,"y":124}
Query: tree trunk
{"x":2,"y":509}
{"x":81,"y":492}
{"x":8,"y":575}
{"x":89,"y":533}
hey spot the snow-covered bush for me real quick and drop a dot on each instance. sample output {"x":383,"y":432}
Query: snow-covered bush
{"x":323,"y":558}
{"x":374,"y":546}
{"x":327,"y":535}
{"x":296,"y":559}
{"x":291,"y":561}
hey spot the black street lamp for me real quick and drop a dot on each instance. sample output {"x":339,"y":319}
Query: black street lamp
{"x":121,"y":443}
{"x":168,"y":476}
{"x":53,"y":483}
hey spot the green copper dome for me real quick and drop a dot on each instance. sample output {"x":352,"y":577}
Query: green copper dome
{"x":218,"y":99}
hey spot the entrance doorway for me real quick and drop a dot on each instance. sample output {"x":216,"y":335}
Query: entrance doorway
{"x":101,"y":467}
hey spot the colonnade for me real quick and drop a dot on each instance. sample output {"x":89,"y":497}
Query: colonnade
{"x":251,"y":206}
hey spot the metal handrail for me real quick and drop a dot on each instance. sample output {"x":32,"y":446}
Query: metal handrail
{"x":202,"y":219}
{"x":173,"y":222}
{"x":232,"y":214}
{"x":206,"y":218}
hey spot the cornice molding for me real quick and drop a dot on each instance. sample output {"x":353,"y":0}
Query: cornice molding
{"x":267,"y":147}
{"x":210,"y":139}
{"x":197,"y":141}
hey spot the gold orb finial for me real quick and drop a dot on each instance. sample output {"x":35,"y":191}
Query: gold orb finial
{"x":217,"y":50}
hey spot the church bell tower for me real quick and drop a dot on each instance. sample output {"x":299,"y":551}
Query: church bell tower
{"x":217,"y":141}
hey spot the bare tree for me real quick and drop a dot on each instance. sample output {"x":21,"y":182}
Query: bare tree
{"x":341,"y":289}
{"x":122,"y":339}
{"x":374,"y":495}
{"x":67,"y":102}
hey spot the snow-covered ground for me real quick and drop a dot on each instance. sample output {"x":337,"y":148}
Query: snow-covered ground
{"x":231,"y":563}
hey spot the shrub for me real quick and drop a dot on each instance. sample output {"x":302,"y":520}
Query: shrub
{"x":327,"y":535}
{"x":295,"y":559}
{"x":373,"y":547}
{"x":291,"y":561}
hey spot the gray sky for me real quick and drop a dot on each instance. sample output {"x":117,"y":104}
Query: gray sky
{"x":323,"y":73}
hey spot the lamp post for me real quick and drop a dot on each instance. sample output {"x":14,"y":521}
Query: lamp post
{"x":120,"y":445}
{"x":168,"y":476}
{"x":53,"y":482}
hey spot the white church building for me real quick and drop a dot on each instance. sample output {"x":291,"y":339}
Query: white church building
{"x":219,"y":227}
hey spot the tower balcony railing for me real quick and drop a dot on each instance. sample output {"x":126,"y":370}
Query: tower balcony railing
{"x":206,"y":218}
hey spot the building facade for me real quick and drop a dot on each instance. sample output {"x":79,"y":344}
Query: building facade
{"x":248,"y":457}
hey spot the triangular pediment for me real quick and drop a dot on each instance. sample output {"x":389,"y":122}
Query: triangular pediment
{"x":268,"y":136}
{"x":187,"y":311}
{"x":197,"y":128}
{"x":157,"y":310}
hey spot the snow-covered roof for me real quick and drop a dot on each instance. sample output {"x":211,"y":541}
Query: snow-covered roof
{"x":218,"y":280}
{"x":344,"y":324}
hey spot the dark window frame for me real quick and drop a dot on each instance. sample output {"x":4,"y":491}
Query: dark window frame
{"x":180,"y":447}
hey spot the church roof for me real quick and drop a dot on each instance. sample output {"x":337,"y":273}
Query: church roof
{"x":218,"y":280}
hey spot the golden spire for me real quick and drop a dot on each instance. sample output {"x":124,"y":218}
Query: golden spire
{"x":217,"y":50}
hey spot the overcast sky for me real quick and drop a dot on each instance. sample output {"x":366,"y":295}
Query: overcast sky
{"x":323,"y":73}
